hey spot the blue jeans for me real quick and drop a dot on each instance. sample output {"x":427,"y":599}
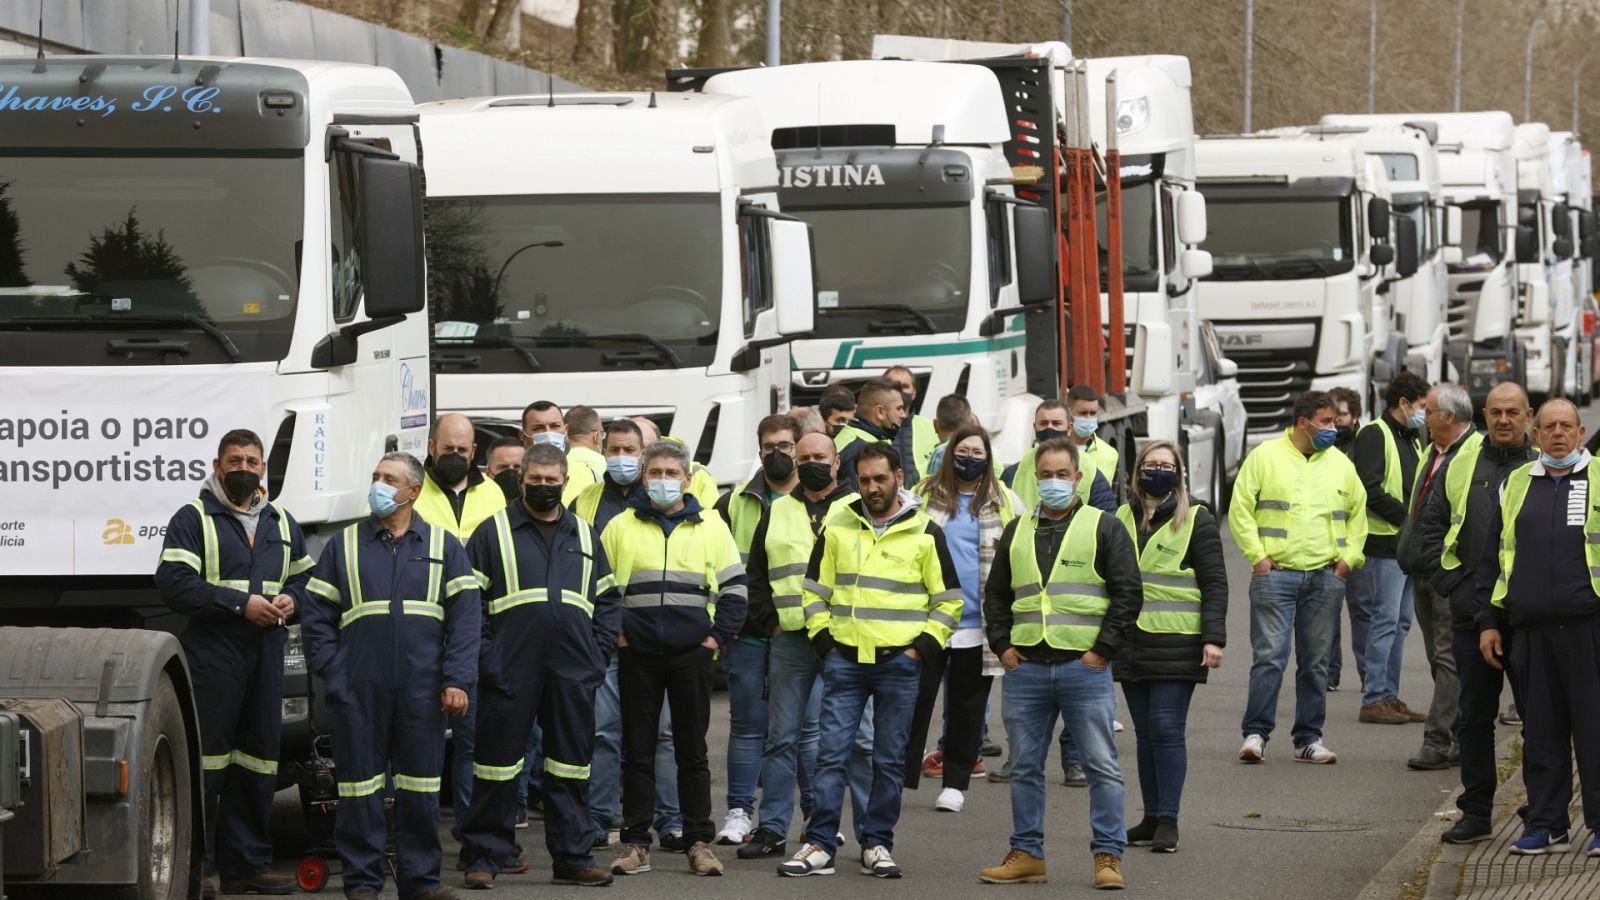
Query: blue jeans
{"x":1160,"y":711}
{"x":532,"y":778}
{"x":1392,"y":610}
{"x":745,"y":662}
{"x":1286,"y":604}
{"x":1032,"y":695}
{"x":847,"y":686}
{"x":1358,"y":604}
{"x":605,"y":779}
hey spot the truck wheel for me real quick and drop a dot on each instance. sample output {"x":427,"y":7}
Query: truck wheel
{"x":166,"y":822}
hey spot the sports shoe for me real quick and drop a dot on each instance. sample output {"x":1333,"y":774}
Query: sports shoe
{"x":950,"y":800}
{"x":1429,"y":759}
{"x":736,"y":826}
{"x":1316,"y":752}
{"x":1143,"y":833}
{"x":933,"y":764}
{"x":1511,"y":716}
{"x":763,"y":843}
{"x":978,"y":767}
{"x":1074,"y":776}
{"x":1019,"y":868}
{"x":1108,"y":873}
{"x":1116,"y":727}
{"x":602,"y":842}
{"x":1410,"y":714}
{"x":672,"y":841}
{"x":1166,"y":837}
{"x":522,"y":818}
{"x":1594,"y":848}
{"x":989,"y":748}
{"x":1001,"y":775}
{"x":590,"y":877}
{"x":1468,"y":830}
{"x":877,"y":862}
{"x":1254,"y":749}
{"x":1539,"y":841}
{"x":703,"y":860}
{"x":1383,"y":712}
{"x":808,"y":860}
{"x":634,"y":860}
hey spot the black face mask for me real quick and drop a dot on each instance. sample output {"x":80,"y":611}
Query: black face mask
{"x":910,"y":400}
{"x":1049,"y":434}
{"x":509,"y":483}
{"x":240,"y":485}
{"x":451,"y":468}
{"x":1346,"y":432}
{"x":541,"y":498}
{"x":970,"y":469}
{"x":1157,"y":482}
{"x":815,"y":476}
{"x":778,"y":466}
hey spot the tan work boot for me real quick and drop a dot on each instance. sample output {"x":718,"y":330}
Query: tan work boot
{"x":1019,"y":867}
{"x":634,"y":859}
{"x":1108,"y":873}
{"x":480,"y":880}
{"x":702,"y":860}
{"x":1383,"y":713}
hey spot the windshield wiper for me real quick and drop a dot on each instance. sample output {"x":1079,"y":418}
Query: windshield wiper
{"x":198,"y":322}
{"x":1251,"y":264}
{"x":666,"y":353}
{"x":495,"y":340}
{"x":903,"y":308}
{"x":1296,"y":265}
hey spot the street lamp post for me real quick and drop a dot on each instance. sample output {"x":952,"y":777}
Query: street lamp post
{"x":774,"y":30}
{"x":1577,"y":85}
{"x":1372,"y":60}
{"x":1461,"y":33}
{"x":1527,"y":70}
{"x":1249,"y":56}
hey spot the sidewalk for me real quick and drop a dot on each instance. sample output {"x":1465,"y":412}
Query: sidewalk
{"x":1488,"y":871}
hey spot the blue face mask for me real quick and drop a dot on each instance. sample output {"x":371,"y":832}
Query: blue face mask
{"x":1324,"y":438}
{"x":1057,"y":493}
{"x":1085,"y":427}
{"x":1417,"y":419}
{"x":623,"y":469}
{"x":554,"y":438}
{"x":1565,"y":462}
{"x":381,"y":498}
{"x":665,"y":492}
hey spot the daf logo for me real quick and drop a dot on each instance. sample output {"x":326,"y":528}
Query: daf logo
{"x":831,"y":176}
{"x":1235,"y":339}
{"x":815,"y":378}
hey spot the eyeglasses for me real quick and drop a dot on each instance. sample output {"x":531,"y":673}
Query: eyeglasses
{"x":1159,"y":467}
{"x":970,"y":454}
{"x":781,"y":447}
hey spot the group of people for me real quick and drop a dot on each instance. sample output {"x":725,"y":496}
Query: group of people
{"x":564,"y":610}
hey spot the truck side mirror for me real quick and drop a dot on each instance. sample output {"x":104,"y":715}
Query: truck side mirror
{"x":1378,"y":219}
{"x":1561,"y":220}
{"x":1563,"y":248}
{"x":391,"y":234}
{"x":1451,"y":255}
{"x":1527,"y":244}
{"x":1452,"y":226}
{"x":1196,"y":264}
{"x":794,"y":276}
{"x":1405,"y":254}
{"x":1036,"y":253}
{"x":1381,"y":254}
{"x":1191,"y":220}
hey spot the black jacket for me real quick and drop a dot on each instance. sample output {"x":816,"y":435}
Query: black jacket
{"x":1477,"y":541}
{"x":900,"y":441}
{"x":1176,"y":657}
{"x":761,"y":619}
{"x":1371,"y":466}
{"x":1117,"y":563}
{"x":1550,"y":586}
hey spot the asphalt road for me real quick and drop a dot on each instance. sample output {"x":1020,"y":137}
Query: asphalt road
{"x":1282,"y":829}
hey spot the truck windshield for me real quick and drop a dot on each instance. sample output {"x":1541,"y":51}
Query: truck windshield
{"x":1480,"y":234}
{"x":887,"y":270}
{"x":553,"y":271}
{"x":1141,"y":270}
{"x":85,"y":239}
{"x":1278,"y":238}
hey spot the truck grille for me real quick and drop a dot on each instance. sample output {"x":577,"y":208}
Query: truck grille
{"x":1268,"y":386}
{"x":1463,"y":307}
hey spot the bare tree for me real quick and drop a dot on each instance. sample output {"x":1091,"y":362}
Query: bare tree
{"x":505,"y":12}
{"x":715,"y":44}
{"x":660,"y":50}
{"x":593,"y":46}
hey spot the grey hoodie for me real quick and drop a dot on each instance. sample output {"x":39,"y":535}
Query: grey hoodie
{"x":909,"y":503}
{"x":247,"y":517}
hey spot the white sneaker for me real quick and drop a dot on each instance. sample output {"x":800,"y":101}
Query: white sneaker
{"x":808,"y":860}
{"x":1254,"y":749}
{"x":876,"y":861}
{"x":1316,"y":752}
{"x":735,"y":827}
{"x":950,"y":800}
{"x":1116,"y":727}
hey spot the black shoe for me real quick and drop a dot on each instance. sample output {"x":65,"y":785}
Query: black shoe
{"x":762,"y":844}
{"x":1143,"y":833}
{"x":522,"y":818}
{"x":990,"y":748}
{"x":1166,"y":839}
{"x":1468,"y":830}
{"x":673,"y":842}
{"x":363,"y":895}
{"x":602,"y":841}
{"x":1429,"y":760}
{"x":1522,"y":812}
{"x":1454,"y":757}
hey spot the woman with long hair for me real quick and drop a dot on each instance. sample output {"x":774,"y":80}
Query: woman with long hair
{"x":1179,"y":635}
{"x":965,"y":499}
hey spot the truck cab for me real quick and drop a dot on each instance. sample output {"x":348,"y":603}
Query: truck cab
{"x":1566,"y":229}
{"x":624,"y":251}
{"x":187,"y":246}
{"x":1543,"y":264}
{"x":1297,"y":226}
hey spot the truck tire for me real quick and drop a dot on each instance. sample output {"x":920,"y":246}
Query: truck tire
{"x":166,"y":822}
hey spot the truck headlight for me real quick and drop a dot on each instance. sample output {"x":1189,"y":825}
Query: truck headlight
{"x":1486,"y":366}
{"x":1132,"y":114}
{"x":294,"y":653}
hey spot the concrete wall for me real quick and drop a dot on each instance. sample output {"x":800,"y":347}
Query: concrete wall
{"x":269,"y":28}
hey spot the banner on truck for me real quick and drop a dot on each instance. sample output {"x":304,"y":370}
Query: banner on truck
{"x":93,"y":465}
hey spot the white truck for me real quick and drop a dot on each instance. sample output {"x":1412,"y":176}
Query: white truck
{"x":1298,"y":229}
{"x":1418,"y":303}
{"x":623,"y":251}
{"x":1543,"y":265}
{"x":186,"y":246}
{"x":1569,"y":179}
{"x":1189,"y":393}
